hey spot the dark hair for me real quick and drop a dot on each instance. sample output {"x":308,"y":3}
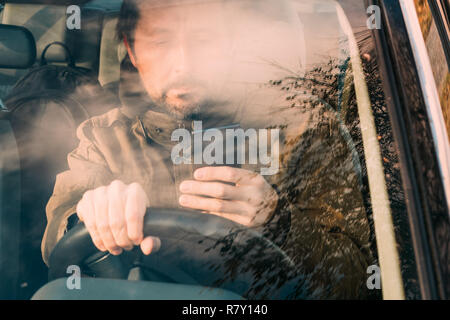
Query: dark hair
{"x":128,"y":19}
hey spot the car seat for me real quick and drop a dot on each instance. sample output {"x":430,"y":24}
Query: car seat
{"x":35,"y":179}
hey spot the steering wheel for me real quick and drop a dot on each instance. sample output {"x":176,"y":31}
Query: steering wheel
{"x":196,"y":248}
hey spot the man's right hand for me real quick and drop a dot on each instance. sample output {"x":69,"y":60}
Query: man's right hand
{"x":114,"y":217}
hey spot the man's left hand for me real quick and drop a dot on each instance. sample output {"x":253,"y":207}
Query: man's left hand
{"x":236,"y":194}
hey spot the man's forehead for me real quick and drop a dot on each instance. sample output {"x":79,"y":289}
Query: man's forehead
{"x":165,"y":17}
{"x":269,"y":9}
{"x":149,"y":4}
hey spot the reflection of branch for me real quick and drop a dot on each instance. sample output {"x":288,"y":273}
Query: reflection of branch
{"x":279,"y":66}
{"x":305,"y":79}
{"x":325,"y":82}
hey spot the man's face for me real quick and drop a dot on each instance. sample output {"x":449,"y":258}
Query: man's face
{"x":182,"y":55}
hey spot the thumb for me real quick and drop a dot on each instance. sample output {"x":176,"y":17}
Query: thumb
{"x":150,"y":244}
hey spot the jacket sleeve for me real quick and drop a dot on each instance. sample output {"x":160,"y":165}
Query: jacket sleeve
{"x":87,"y":170}
{"x":328,"y":235}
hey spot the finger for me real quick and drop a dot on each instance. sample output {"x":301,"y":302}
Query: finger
{"x":116,"y":214}
{"x":213,"y":205}
{"x":246,"y":221}
{"x":226,"y":174}
{"x":102,"y":220}
{"x":150,"y":244}
{"x":86,"y":213}
{"x":80,"y":209}
{"x":212,"y":189}
{"x":135,"y":208}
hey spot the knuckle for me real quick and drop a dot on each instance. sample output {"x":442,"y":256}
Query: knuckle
{"x":218,"y":205}
{"x":135,"y":235}
{"x":258,"y":196}
{"x":95,"y":239}
{"x":80,"y":210}
{"x":115,"y":188}
{"x":103,"y":227}
{"x":132,"y":216}
{"x":220,"y":191}
{"x":230,"y":173}
{"x":97,"y":242}
{"x":135,"y":191}
{"x":89,"y":225}
{"x":259,"y":181}
{"x":252,"y":212}
{"x":86,"y":196}
{"x":123,"y":243}
{"x":117,"y":184}
{"x":100,"y":192}
{"x":83,"y":205}
{"x":248,"y":222}
{"x":112,"y":249}
{"x":97,"y":245}
{"x":135,"y":188}
{"x":92,"y":232}
{"x":115,"y":225}
{"x":109,"y":244}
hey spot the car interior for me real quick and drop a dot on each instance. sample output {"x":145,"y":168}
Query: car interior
{"x":96,"y":48}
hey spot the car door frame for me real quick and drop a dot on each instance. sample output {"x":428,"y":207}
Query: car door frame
{"x":423,"y":184}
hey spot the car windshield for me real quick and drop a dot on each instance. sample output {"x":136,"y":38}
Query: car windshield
{"x":241,"y":119}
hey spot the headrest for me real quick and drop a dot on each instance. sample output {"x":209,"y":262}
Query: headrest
{"x":47,"y":23}
{"x":17,"y":47}
{"x":112,"y":52}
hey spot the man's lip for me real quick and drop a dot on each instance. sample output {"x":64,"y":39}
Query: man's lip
{"x":180,"y":93}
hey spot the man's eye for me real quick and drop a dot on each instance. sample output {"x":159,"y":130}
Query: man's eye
{"x":157,"y":41}
{"x":160,"y":42}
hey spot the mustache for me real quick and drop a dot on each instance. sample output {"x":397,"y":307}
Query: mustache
{"x":181,"y":83}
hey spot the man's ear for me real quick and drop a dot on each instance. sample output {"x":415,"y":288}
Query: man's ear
{"x":130,"y":51}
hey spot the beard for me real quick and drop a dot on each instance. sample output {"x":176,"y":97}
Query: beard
{"x":189,"y":99}
{"x":183,"y":99}
{"x":182,"y":110}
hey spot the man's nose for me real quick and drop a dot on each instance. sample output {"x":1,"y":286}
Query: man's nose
{"x":180,"y":59}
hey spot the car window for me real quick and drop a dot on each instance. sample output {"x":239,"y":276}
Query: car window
{"x":266,"y":119}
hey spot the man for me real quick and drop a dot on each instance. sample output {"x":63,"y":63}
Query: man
{"x":198,"y":61}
